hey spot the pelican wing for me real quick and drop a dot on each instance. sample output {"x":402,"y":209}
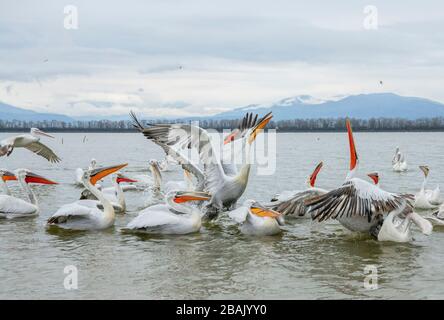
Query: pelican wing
{"x":295,"y":206}
{"x":43,"y":151}
{"x":81,"y":209}
{"x":355,"y":197}
{"x":154,"y":217}
{"x":11,"y":205}
{"x":174,"y":138}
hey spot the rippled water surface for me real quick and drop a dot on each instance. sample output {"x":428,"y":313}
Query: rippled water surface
{"x":308,"y":260}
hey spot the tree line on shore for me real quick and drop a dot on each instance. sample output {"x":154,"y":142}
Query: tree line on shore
{"x":291,"y":125}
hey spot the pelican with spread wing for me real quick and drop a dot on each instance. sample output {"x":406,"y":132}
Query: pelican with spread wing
{"x":361,"y":206}
{"x":222,"y":181}
{"x":30,"y":141}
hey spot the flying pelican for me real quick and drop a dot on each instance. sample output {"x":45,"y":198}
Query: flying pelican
{"x":359,"y":205}
{"x":84,"y":214}
{"x":427,"y":199}
{"x":256,"y":219}
{"x":291,"y":203}
{"x":12,"y":207}
{"x":6,"y":175}
{"x":224,"y":187}
{"x":114,"y":194}
{"x":30,"y":141}
{"x":176,"y":216}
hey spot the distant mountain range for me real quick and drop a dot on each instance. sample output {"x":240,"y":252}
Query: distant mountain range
{"x":8,"y":112}
{"x":362,"y":106}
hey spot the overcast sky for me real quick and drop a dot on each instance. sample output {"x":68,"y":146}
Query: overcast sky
{"x":188,"y":57}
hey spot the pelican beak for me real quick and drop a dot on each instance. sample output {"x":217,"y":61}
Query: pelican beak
{"x":8,"y":176}
{"x":185,"y":196}
{"x":100,"y":173}
{"x":259,"y":127}
{"x":374,"y":176}
{"x":315,"y":174}
{"x":351,"y":141}
{"x":425,"y":170}
{"x":231,"y":137}
{"x":423,"y":224}
{"x":122,"y":178}
{"x":35,"y":178}
{"x":261,"y":211}
{"x":43,"y":133}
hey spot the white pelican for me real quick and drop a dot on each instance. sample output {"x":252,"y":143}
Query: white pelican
{"x":291,"y":203}
{"x":426,"y":199}
{"x":79,"y":171}
{"x":30,"y":141}
{"x":359,"y":205}
{"x":114,"y":194}
{"x":6,"y":175}
{"x":84,"y":214}
{"x":225,"y":188}
{"x":398,"y":162}
{"x":256,"y":219}
{"x":176,"y":216}
{"x":12,"y":207}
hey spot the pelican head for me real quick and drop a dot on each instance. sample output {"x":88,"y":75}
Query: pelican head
{"x":425,"y":170}
{"x":30,"y":177}
{"x":259,"y":127}
{"x":37,"y":131}
{"x":7,"y":175}
{"x":374,"y":176}
{"x":313,"y":176}
{"x":95,"y":175}
{"x":186,"y":196}
{"x":258,"y":210}
{"x":121,"y":178}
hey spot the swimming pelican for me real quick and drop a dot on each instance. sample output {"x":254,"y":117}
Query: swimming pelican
{"x":12,"y":207}
{"x":31,"y":142}
{"x":423,"y":199}
{"x":176,"y":216}
{"x":114,"y":194}
{"x":398,"y":161}
{"x":291,"y":203}
{"x":84,"y":214}
{"x":256,"y":219}
{"x":225,"y":188}
{"x":359,"y":205}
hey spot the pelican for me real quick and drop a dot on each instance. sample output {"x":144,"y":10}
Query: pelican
{"x":291,"y":203}
{"x":426,"y":199}
{"x":79,"y":171}
{"x":226,"y":187}
{"x":12,"y":207}
{"x":359,"y":205}
{"x":114,"y":194}
{"x":31,"y":142}
{"x":256,"y":219}
{"x":154,"y":182}
{"x":176,"y":216}
{"x":84,"y":214}
{"x":398,"y":162}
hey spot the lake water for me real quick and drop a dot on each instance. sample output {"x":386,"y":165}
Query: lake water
{"x":309,"y":260}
